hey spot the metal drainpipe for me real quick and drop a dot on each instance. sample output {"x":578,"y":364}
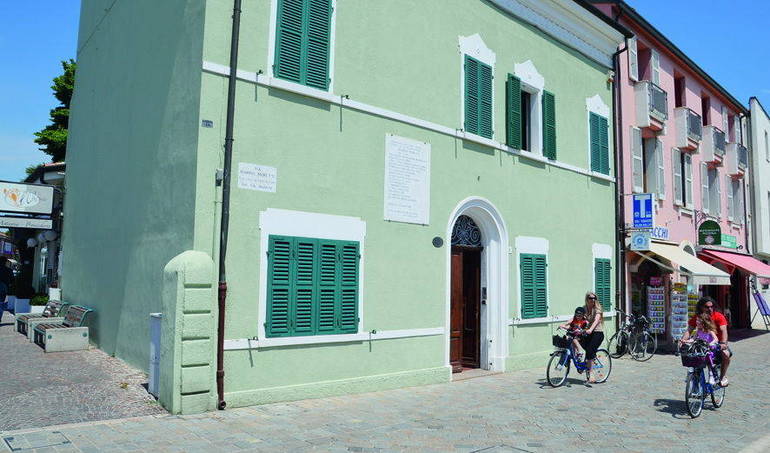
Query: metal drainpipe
{"x":620,"y":206}
{"x":225,"y":218}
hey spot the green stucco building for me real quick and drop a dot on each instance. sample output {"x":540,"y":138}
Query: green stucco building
{"x":417,"y":188}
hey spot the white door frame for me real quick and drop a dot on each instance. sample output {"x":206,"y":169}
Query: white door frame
{"x":494,"y":276}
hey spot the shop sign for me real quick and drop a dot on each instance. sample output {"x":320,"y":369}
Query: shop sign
{"x":728,"y":240}
{"x":643,"y":211}
{"x":26,"y":198}
{"x":709,"y":233}
{"x":660,"y":233}
{"x":26,"y":222}
{"x":640,"y":241}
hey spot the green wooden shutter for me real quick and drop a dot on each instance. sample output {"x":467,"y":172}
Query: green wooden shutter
{"x":594,"y":126}
{"x":319,"y":18}
{"x":549,"y":125}
{"x":478,"y":97}
{"x":304,"y":288}
{"x":513,"y":112}
{"x":303,"y":35}
{"x":534,"y":287}
{"x":471,"y":95}
{"x":485,"y":97}
{"x":541,"y":287}
{"x":604,"y":145}
{"x":327,"y":301}
{"x":603,"y":277}
{"x":289,"y":40}
{"x":279,"y":286}
{"x":349,"y":262}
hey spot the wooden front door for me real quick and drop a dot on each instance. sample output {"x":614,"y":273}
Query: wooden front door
{"x":464,"y":337}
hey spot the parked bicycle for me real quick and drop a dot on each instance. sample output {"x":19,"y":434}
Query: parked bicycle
{"x":564,"y":356}
{"x":634,"y":337}
{"x":702,"y":377}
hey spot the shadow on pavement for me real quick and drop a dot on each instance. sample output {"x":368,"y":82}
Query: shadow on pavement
{"x":676,"y":408}
{"x":744,"y":334}
{"x":543,"y":383}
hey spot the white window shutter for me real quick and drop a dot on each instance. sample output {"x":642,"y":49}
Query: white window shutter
{"x":737,"y":128}
{"x":633,"y":60}
{"x":739,"y":207}
{"x":730,"y":206}
{"x":650,"y":166}
{"x":676,"y":166}
{"x":688,"y":187}
{"x":638,"y":159}
{"x":718,"y":187}
{"x":704,"y":182}
{"x":725,"y":127}
{"x":655,"y":60}
{"x":661,"y":169}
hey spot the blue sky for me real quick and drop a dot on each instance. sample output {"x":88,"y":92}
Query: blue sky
{"x":728,"y":39}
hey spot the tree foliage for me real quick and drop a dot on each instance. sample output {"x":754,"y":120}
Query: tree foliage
{"x":53,"y":139}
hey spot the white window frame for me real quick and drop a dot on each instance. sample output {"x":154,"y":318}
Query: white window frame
{"x":474,"y":46}
{"x":715,"y":193}
{"x":738,"y":201}
{"x":271,"y":41}
{"x":284,"y":222}
{"x":655,"y":167}
{"x":705,"y":189}
{"x":532,"y":245}
{"x":595,"y":104}
{"x":688,"y":181}
{"x":725,"y":123}
{"x":533,"y":83}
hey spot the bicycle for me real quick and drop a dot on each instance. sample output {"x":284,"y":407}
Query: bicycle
{"x":633,"y":337}
{"x":559,"y":364}
{"x":698,"y":357}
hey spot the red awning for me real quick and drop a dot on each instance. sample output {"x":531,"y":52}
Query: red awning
{"x":745,"y":262}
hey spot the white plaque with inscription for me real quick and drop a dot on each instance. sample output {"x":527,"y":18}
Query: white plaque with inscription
{"x":257,"y":177}
{"x":407,"y":180}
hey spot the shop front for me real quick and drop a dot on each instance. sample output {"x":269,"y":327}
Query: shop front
{"x":735,"y":300}
{"x":666,"y":282}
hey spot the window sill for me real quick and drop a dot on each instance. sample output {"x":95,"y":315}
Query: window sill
{"x":253,"y":343}
{"x":688,"y":211}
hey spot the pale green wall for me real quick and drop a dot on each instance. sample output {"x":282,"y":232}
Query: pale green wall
{"x":400,"y":55}
{"x":131,"y":162}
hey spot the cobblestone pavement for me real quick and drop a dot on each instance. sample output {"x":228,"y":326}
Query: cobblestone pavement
{"x":39,"y":389}
{"x":640,"y":408}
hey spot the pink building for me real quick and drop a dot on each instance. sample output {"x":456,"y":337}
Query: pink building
{"x":681,"y":138}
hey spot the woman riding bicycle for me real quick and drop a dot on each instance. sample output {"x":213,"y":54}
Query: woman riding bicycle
{"x":595,"y":331}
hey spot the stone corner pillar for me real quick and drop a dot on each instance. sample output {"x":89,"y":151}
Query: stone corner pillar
{"x":188,"y":338}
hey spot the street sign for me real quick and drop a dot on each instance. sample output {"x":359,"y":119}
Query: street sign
{"x":643,"y":210}
{"x":640,"y":241}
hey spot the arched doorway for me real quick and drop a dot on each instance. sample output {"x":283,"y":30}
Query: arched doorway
{"x":477,"y":288}
{"x":466,"y":296}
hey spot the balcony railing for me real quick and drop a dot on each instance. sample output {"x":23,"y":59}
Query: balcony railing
{"x":658,"y":102}
{"x":694,"y":126}
{"x":720,"y":142}
{"x":743,"y":157}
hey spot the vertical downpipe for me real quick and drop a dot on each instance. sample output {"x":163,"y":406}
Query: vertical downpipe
{"x":225,"y":219}
{"x":620,"y":209}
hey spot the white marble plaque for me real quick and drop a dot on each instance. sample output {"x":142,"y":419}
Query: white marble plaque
{"x":407,"y":180}
{"x":257,"y":177}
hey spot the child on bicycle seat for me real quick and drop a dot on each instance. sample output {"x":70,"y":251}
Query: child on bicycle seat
{"x":576,"y":327}
{"x":705,"y":330}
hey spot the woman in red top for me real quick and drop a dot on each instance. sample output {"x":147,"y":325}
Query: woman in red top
{"x":706,"y":305}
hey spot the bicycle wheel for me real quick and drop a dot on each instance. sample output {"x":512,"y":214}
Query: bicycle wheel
{"x":693,"y":394}
{"x":645,"y":346}
{"x":618,"y":344}
{"x":718,"y":393}
{"x":558,"y":369}
{"x":602,"y":366}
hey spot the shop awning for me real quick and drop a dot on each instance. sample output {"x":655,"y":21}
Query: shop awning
{"x":745,"y":262}
{"x":701,"y":272}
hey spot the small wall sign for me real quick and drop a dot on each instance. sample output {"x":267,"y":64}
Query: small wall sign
{"x":257,"y":177}
{"x":709,"y":233}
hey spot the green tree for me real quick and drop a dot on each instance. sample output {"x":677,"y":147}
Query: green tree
{"x":53,"y":139}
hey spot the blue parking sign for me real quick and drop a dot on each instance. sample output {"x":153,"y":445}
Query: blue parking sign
{"x":644,"y":211}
